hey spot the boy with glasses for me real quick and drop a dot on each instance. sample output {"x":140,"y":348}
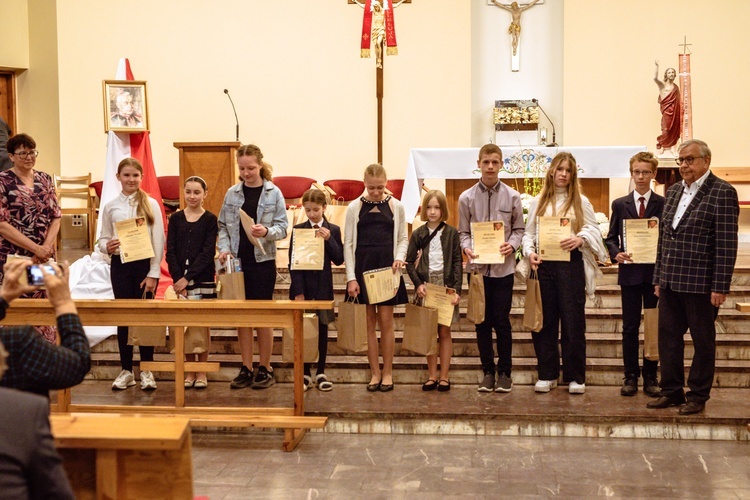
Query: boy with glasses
{"x":635,"y":280}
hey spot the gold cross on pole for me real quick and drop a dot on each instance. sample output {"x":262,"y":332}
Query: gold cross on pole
{"x":685,"y":45}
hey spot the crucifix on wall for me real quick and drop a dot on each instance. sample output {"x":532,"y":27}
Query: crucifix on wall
{"x":378,"y":30}
{"x":514,"y":30}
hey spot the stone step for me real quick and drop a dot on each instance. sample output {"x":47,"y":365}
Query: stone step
{"x":412,"y":369}
{"x":609,"y":275}
{"x":607,"y":296}
{"x":600,"y":345}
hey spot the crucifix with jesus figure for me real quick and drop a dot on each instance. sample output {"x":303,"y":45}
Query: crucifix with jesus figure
{"x":378,"y":30}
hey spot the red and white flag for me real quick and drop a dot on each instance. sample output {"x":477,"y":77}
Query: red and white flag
{"x":121,"y":145}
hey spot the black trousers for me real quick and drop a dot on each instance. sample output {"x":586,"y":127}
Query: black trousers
{"x":635,"y":298}
{"x":563,"y":287}
{"x":126,"y":284}
{"x":677,"y":312}
{"x":322,"y":350}
{"x":498,"y":296}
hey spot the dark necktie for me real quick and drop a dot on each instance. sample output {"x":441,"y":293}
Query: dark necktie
{"x":642,"y":208}
{"x":315,"y":226}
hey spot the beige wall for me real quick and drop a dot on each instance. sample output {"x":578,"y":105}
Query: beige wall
{"x":293,"y":68}
{"x":14,"y":35}
{"x":610,"y":48}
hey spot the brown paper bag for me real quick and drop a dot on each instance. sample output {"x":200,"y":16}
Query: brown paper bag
{"x":351,"y":326}
{"x":533,"y":317}
{"x":310,"y":340}
{"x":147,"y":335}
{"x":196,"y":339}
{"x":231,"y":286}
{"x":420,"y":329}
{"x":651,"y":334}
{"x":475,"y":303}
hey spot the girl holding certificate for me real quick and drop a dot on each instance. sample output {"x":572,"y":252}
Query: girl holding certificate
{"x":191,"y":245}
{"x":434,"y":256}
{"x":563,"y":282}
{"x":261,"y":200}
{"x":375,"y":237}
{"x":317,"y":285}
{"x":132,"y":280}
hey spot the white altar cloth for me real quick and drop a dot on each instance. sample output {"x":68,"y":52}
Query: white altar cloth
{"x":461,"y":163}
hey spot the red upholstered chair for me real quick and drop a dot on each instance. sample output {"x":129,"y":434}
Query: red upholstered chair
{"x":169,"y":185}
{"x":293,"y":187}
{"x":345,"y":190}
{"x":396,"y":187}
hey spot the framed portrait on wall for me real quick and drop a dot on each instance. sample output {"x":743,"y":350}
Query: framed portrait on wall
{"x":125,"y":106}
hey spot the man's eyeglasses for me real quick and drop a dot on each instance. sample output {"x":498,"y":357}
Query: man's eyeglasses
{"x":688,"y":160}
{"x":25,"y":154}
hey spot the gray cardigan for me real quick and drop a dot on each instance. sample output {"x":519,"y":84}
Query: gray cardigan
{"x":452,"y":261}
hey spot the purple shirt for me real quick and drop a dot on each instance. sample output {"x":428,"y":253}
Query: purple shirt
{"x":498,"y":203}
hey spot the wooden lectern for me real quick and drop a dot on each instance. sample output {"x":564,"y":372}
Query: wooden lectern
{"x":214,"y":162}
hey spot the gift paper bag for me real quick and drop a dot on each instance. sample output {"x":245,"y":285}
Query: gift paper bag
{"x":651,"y":334}
{"x":475,"y":301}
{"x":231,"y":286}
{"x":351,"y":326}
{"x":310,"y":340}
{"x":533,"y":317}
{"x":196,"y":339}
{"x":420,"y":329}
{"x":147,"y":335}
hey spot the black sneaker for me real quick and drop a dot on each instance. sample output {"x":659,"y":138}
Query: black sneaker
{"x":488,"y":383}
{"x":243,"y":379}
{"x":503,"y":383}
{"x":263,"y":379}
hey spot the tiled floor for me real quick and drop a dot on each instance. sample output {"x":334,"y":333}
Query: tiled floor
{"x":405,"y":466}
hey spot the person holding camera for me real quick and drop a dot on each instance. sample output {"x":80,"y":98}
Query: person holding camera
{"x":35,"y":365}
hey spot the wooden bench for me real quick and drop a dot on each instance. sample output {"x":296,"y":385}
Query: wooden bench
{"x":181,"y":314}
{"x":118,"y":457}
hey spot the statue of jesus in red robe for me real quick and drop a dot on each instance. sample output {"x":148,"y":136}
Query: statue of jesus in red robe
{"x":671,"y":111}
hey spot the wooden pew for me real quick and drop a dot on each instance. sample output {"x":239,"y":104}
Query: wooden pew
{"x":180,"y":314}
{"x":119,"y":457}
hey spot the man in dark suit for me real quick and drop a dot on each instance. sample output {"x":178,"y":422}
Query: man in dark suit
{"x":694,"y":264}
{"x":635,"y":280}
{"x":29,"y":464}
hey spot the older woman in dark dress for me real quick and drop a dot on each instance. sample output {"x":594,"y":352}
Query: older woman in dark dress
{"x":29,"y":212}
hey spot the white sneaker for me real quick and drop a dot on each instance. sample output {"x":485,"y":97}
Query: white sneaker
{"x":147,"y":381}
{"x":124,"y":380}
{"x":576,"y":388}
{"x":545,"y":385}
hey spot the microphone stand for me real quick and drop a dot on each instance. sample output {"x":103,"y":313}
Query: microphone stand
{"x":237,"y":122}
{"x":553,"y":144}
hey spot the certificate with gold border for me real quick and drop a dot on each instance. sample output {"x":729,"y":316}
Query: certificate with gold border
{"x":307,"y":250}
{"x":441,"y":298}
{"x":550,"y":232}
{"x":486,"y":239}
{"x":640,"y":239}
{"x":381,"y":284}
{"x":135,"y":240}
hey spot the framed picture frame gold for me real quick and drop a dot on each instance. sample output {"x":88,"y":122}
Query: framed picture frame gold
{"x":125,"y":106}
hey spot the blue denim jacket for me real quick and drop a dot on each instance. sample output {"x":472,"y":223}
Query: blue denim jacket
{"x":271,"y":213}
